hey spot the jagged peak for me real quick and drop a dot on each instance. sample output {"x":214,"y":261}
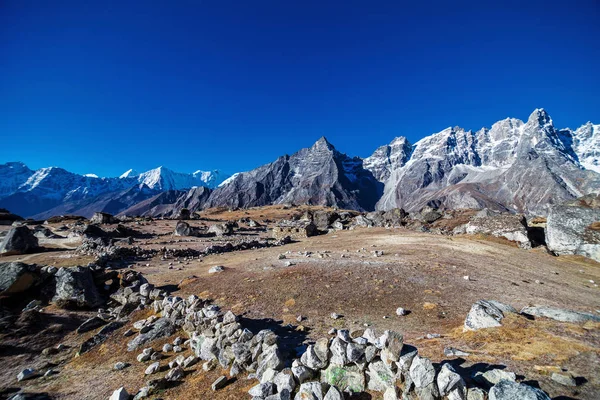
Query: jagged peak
{"x":539,"y":116}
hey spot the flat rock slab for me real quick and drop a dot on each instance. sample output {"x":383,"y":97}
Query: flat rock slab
{"x":559,"y":314}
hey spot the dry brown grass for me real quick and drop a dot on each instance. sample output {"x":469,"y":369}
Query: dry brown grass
{"x":520,"y":339}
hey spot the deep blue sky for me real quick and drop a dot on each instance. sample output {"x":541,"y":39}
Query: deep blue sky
{"x":104,"y":86}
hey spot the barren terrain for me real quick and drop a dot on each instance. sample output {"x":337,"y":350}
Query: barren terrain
{"x":341,"y":273}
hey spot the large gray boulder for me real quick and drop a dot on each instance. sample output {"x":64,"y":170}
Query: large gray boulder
{"x":183,"y":229}
{"x":483,"y":314}
{"x":19,"y":240}
{"x":574,"y":227}
{"x":102,"y":218}
{"x":509,"y":226}
{"x":16,"y":277}
{"x":560,"y":314}
{"x":509,"y":390}
{"x":75,"y":288}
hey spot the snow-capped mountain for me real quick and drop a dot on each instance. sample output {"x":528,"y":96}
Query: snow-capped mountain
{"x":586,"y":144}
{"x":514,"y":165}
{"x":29,"y":193}
{"x":13,"y":175}
{"x":518,"y":166}
{"x":162,"y":178}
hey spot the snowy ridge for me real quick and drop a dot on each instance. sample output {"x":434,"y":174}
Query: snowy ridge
{"x":525,"y":166}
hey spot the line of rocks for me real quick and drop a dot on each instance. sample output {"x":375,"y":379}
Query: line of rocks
{"x":347,"y":361}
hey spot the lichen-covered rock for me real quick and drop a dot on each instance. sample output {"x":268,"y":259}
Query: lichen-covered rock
{"x":349,"y":378}
{"x":509,"y":390}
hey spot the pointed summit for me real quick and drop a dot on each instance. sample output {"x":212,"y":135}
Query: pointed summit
{"x":323,"y":143}
{"x":540,"y":117}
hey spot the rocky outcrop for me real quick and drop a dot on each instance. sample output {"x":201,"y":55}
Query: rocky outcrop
{"x":19,"y":240}
{"x":574,"y":227}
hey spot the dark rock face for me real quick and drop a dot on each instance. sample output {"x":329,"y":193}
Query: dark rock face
{"x":574,"y":227}
{"x":75,"y":288}
{"x":19,"y":240}
{"x":16,"y":277}
{"x":319,"y":175}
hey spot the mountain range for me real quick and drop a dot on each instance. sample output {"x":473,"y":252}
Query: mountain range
{"x":515,"y":166}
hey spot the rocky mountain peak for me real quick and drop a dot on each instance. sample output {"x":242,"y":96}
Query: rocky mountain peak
{"x":322,"y":144}
{"x":539,"y":117}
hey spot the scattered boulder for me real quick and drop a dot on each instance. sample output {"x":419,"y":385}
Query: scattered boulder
{"x":560,"y":314}
{"x":17,"y":277}
{"x":102,"y":218}
{"x":75,"y":288}
{"x":27,"y":373}
{"x":18,"y":240}
{"x":120,"y":394}
{"x":295,"y":229}
{"x":574,"y":227}
{"x":183,"y":229}
{"x":221,"y":229}
{"x":428,"y":215}
{"x":483,"y":314}
{"x":216,"y":269}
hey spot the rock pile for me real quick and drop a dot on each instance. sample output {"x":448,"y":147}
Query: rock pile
{"x":350,"y":362}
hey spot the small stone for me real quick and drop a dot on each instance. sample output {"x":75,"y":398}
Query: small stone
{"x":452,"y":352}
{"x":119,"y":366}
{"x":152,"y":368}
{"x":220,"y":383}
{"x":50,"y":372}
{"x":216,"y":269}
{"x":467,"y":278}
{"x":129,"y":332}
{"x":175,"y":374}
{"x":335,"y":316}
{"x":25,"y":374}
{"x":401,"y":312}
{"x":167,"y":347}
